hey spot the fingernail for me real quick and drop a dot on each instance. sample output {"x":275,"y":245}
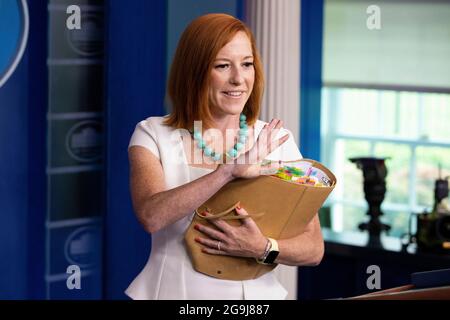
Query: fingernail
{"x":197,"y":227}
{"x":238,"y":207}
{"x":197,"y":239}
{"x":203,"y":213}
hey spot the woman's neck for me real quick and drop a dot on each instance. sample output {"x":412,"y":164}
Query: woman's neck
{"x":225,"y":122}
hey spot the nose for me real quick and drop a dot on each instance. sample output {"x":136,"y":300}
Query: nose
{"x":236,"y":77}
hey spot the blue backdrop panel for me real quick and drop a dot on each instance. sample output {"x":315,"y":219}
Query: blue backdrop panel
{"x":22,"y":165}
{"x":12,"y":30}
{"x":135,"y":50}
{"x":37,"y":179}
{"x":13,"y":184}
{"x":311,"y":77}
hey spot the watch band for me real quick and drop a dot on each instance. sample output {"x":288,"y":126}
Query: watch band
{"x":271,"y":252}
{"x":274,"y":243}
{"x":266,"y":252}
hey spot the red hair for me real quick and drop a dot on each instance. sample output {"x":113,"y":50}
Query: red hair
{"x":189,"y":77}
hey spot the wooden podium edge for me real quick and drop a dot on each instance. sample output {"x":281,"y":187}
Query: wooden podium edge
{"x":407,"y":292}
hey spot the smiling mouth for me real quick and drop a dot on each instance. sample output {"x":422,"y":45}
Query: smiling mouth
{"x":233,"y":94}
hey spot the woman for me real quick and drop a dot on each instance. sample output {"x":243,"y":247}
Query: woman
{"x":212,"y":137}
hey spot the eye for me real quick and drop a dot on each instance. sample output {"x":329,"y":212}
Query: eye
{"x":222,"y":66}
{"x":248,"y":64}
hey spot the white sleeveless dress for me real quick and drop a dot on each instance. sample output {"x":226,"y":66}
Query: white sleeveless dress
{"x":168,"y":273}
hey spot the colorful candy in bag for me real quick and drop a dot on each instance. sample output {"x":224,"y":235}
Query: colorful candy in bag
{"x":302,"y":172}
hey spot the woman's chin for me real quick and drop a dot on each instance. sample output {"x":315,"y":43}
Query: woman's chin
{"x":233,"y":109}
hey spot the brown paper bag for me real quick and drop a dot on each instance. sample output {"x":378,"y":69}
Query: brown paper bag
{"x":281,"y":209}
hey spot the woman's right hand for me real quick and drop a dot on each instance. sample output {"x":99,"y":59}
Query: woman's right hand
{"x":249,"y":164}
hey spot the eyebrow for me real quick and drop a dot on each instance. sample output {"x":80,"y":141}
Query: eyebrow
{"x":225,"y":59}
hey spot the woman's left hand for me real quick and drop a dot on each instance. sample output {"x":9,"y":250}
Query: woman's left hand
{"x":245,"y":240}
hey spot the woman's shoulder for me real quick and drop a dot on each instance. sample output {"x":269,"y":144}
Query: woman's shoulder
{"x":150,"y":133}
{"x":153,"y":121}
{"x":154,"y":124}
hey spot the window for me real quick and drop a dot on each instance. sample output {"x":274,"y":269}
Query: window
{"x":411,"y":128}
{"x":386,"y":93}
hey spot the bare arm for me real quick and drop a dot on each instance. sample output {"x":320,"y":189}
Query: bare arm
{"x":306,"y":249}
{"x":156,"y":207}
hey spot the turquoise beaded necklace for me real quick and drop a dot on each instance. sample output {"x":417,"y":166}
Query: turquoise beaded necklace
{"x":232,"y":153}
